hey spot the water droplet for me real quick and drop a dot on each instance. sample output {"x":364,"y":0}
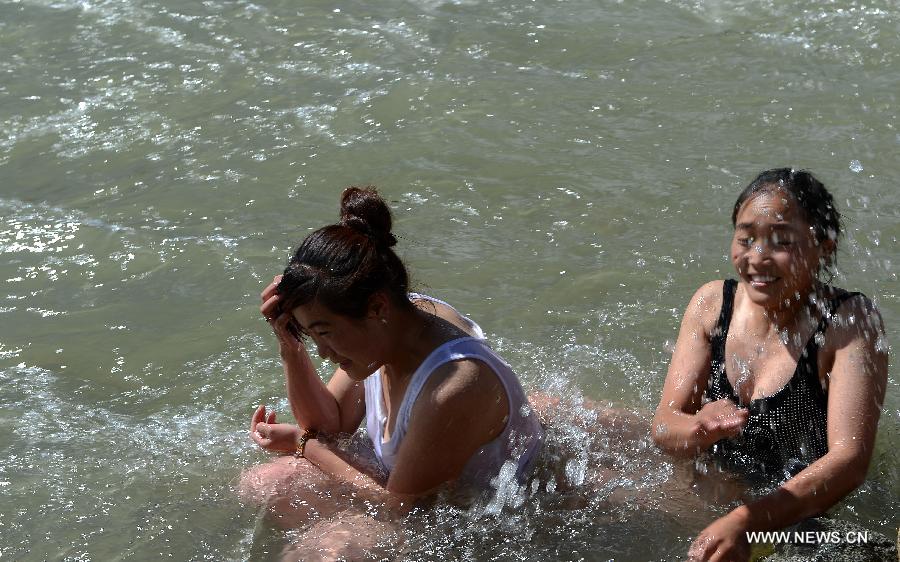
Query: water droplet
{"x":820,"y":338}
{"x":855,"y":166}
{"x":576,"y":470}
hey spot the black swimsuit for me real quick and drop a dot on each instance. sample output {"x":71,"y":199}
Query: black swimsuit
{"x":786,"y":431}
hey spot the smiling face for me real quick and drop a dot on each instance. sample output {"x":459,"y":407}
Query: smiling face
{"x":774,"y":250}
{"x":350,"y":343}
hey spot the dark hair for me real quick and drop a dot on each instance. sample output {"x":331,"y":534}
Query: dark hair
{"x":815,"y":202}
{"x":342,"y":265}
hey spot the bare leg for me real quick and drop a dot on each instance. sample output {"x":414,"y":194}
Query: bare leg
{"x":326,"y":520}
{"x":590,"y":415}
{"x":347,"y":536}
{"x":295,"y":491}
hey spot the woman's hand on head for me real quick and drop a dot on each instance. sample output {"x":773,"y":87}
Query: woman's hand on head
{"x":724,"y":540}
{"x":271,"y":436}
{"x":720,"y":419}
{"x":271,"y":289}
{"x":277,"y":318}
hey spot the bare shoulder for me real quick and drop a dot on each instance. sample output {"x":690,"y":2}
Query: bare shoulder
{"x":856,"y":354}
{"x":710,"y":294}
{"x":461,"y":387}
{"x":706,"y":304}
{"x":462,"y":380}
{"x":856,"y":350}
{"x":459,"y":409}
{"x":856,"y":318}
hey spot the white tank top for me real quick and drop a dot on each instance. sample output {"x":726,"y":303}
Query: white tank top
{"x":519,"y":442}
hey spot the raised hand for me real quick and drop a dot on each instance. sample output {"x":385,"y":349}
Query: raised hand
{"x":272,"y":436}
{"x":281,"y":321}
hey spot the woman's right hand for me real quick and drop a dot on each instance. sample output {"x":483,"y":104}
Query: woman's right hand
{"x":277,"y":318}
{"x":719,"y":420}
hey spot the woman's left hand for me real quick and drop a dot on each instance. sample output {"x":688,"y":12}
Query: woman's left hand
{"x":724,"y":540}
{"x":271,"y":436}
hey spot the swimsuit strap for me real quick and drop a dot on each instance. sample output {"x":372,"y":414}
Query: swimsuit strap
{"x":718,"y":385}
{"x":833,"y":304}
{"x":729,"y":288}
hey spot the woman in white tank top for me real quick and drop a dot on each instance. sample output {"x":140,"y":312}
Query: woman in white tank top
{"x":440,"y":406}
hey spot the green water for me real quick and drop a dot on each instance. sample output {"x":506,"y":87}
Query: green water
{"x":561,"y":171}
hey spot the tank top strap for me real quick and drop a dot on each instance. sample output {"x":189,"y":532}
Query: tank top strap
{"x":476,"y":329}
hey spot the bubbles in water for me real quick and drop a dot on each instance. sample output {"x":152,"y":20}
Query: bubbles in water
{"x":855,"y":166}
{"x":575,"y":470}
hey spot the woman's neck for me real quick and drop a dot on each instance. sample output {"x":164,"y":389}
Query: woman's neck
{"x":408,"y":330}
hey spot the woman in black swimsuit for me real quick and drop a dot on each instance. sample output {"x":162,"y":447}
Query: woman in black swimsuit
{"x":777,"y":373}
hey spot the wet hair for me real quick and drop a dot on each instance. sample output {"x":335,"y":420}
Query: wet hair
{"x":815,"y":203}
{"x":342,"y":265}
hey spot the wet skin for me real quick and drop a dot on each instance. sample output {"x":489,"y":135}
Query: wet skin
{"x":775,"y":252}
{"x":777,"y":258}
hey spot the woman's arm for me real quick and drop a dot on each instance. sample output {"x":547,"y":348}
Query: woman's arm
{"x":331,"y":460}
{"x":336,"y":408}
{"x":682,"y":424}
{"x":855,"y":398}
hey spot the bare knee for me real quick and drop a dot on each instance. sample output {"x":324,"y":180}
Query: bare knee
{"x":265,"y":483}
{"x":292,"y":490}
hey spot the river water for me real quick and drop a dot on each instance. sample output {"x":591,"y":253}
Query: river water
{"x":562,"y":171}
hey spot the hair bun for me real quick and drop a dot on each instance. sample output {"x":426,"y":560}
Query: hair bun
{"x":363,"y":210}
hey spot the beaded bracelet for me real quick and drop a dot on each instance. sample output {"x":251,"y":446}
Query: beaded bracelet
{"x":301,"y":443}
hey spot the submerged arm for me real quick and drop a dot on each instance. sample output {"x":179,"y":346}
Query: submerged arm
{"x":332,"y":461}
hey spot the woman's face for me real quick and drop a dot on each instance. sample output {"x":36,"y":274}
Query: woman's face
{"x":350,"y":343}
{"x":774,"y":250}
